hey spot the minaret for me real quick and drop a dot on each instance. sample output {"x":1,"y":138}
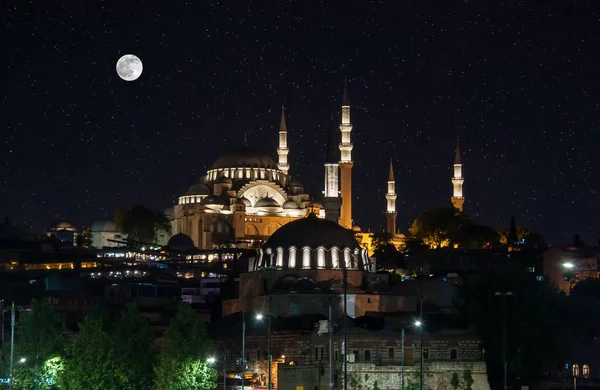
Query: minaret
{"x":457,"y":181}
{"x":283,"y":150}
{"x":391,"y":213}
{"x":331,"y":197}
{"x":346,"y":163}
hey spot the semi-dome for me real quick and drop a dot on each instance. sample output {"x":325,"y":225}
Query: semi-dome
{"x":199,"y":189}
{"x":290,"y":204}
{"x":181,"y":243}
{"x":245,"y":201}
{"x":103,"y":226}
{"x":244,"y":157}
{"x":313,"y":243}
{"x":267,"y":202}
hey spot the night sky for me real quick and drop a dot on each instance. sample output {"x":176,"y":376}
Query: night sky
{"x":517,"y":81}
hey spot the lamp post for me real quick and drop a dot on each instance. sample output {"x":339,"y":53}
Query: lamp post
{"x":402,"y":372}
{"x":504,"y":364}
{"x":212,"y":360}
{"x":269,"y":340}
{"x":419,"y":324}
{"x":12,"y":309}
{"x":243,"y":359}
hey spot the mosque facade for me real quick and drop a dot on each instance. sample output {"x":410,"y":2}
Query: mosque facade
{"x":246,"y":195}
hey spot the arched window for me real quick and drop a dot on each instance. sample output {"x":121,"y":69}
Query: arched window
{"x":335,"y":257}
{"x":586,"y":371}
{"x":279,"y":261}
{"x":347,"y":261}
{"x":292,"y":259}
{"x":575,"y":369}
{"x":321,"y":258}
{"x":306,"y":258}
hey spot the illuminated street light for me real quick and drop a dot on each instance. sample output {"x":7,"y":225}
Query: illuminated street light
{"x":211,"y":360}
{"x":259,"y":317}
{"x":418,"y":324}
{"x":569,"y":265}
{"x":22,"y":360}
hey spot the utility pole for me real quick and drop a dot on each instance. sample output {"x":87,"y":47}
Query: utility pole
{"x":402,"y":372}
{"x":243,"y":347}
{"x":504,"y":363}
{"x":345,"y":273}
{"x":269,"y":381}
{"x":330,"y":330}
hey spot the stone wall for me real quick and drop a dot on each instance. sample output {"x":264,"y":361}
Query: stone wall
{"x":365,"y":376}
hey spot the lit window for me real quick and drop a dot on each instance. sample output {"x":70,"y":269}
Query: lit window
{"x":586,"y":371}
{"x":539,"y":278}
{"x":575,"y":369}
{"x":531,"y":269}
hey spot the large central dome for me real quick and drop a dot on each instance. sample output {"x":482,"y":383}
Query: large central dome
{"x":245,"y":157}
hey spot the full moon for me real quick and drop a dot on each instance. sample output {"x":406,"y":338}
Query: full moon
{"x":129,"y":67}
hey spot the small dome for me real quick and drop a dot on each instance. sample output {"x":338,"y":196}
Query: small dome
{"x":356,"y":229}
{"x":199,"y":189}
{"x":295,"y":183}
{"x":103,"y":226}
{"x":212,"y":200}
{"x":312,"y":232}
{"x":290,"y":204}
{"x":63,"y":225}
{"x":267,"y":202}
{"x":181,"y":243}
{"x":245,"y":201}
{"x":295,"y":187}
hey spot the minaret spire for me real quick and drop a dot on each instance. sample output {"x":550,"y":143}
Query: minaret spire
{"x":391,"y":196}
{"x":458,"y":199}
{"x":282,"y":150}
{"x":346,"y":162}
{"x":331,"y":199}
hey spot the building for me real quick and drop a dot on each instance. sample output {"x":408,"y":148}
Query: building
{"x":104,"y":234}
{"x":63,"y":232}
{"x":565,"y":266}
{"x":246,"y":195}
{"x":301,"y":269}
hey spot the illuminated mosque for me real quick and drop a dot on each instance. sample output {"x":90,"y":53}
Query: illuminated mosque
{"x":246,"y":195}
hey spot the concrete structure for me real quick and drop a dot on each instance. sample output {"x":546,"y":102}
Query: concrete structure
{"x":104,"y":234}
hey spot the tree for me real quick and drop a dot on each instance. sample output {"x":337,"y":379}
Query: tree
{"x":385,"y":252}
{"x":141,"y":223}
{"x":134,"y":351}
{"x":468,"y":379}
{"x":40,"y":338}
{"x":90,"y":362}
{"x":535,"y":315}
{"x":439,"y":227}
{"x":586,"y":289}
{"x":479,"y":237}
{"x":181,"y":363}
{"x":455,"y":382}
{"x":84,"y":240}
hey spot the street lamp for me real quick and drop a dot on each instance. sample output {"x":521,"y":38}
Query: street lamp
{"x":419,"y":324}
{"x":504,"y":364}
{"x":22,"y":360}
{"x":211,"y":360}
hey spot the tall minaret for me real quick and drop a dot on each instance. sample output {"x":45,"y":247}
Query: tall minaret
{"x":391,"y":213}
{"x":457,"y":181}
{"x":331,"y":196}
{"x":283,"y":150}
{"x":346,"y":163}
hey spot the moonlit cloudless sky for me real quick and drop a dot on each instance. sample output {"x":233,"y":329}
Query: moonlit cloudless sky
{"x":517,"y":81}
